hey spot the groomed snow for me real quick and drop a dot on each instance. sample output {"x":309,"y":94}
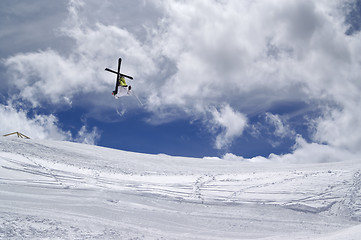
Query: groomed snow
{"x":63,"y":190}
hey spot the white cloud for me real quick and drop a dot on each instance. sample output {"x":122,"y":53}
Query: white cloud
{"x":314,"y":152}
{"x":51,"y":76}
{"x":242,"y":57}
{"x":339,"y":128}
{"x":252,"y":54}
{"x":282,"y":129}
{"x":232,"y":124}
{"x":303,"y":152}
{"x":40,"y":126}
{"x":46,"y":76}
{"x":232,"y":157}
{"x":86,"y":137}
{"x":37,"y":127}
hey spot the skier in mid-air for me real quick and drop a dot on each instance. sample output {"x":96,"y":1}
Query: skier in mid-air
{"x":121,"y":87}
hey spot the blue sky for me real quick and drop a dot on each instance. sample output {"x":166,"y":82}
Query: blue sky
{"x":258,"y":81}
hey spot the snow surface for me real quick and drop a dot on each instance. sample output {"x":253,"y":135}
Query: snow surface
{"x":63,"y":190}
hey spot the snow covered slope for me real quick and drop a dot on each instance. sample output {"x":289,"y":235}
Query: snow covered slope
{"x":62,"y":190}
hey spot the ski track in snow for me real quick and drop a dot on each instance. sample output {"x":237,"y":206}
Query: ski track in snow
{"x":62,"y":190}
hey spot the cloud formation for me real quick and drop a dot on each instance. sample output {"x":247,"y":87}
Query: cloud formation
{"x":40,"y":126}
{"x":219,"y":61}
{"x":282,"y":129}
{"x":253,"y":55}
{"x":49,"y":75}
{"x":232,"y":124}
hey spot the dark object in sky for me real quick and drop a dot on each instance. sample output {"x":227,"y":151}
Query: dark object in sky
{"x":118,"y":73}
{"x":120,"y":78}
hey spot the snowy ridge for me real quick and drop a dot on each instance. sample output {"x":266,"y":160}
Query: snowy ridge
{"x":66,"y":190}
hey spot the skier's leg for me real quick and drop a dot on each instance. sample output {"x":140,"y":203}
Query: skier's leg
{"x":116,"y":88}
{"x":117,"y":81}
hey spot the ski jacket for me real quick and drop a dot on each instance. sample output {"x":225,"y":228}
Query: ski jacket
{"x":122,"y":82}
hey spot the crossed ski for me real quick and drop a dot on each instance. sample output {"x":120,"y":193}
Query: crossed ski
{"x":118,"y":73}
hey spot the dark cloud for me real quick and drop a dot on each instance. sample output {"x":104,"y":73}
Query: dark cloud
{"x":353,"y":17}
{"x":31,"y":25}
